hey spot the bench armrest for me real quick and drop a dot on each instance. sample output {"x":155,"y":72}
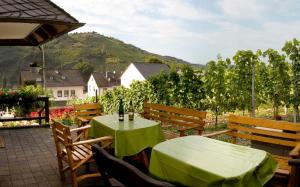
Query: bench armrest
{"x":80,"y":128}
{"x":295,"y":152}
{"x":82,"y":119}
{"x":217,"y":133}
{"x":96,"y":140}
{"x":294,"y":162}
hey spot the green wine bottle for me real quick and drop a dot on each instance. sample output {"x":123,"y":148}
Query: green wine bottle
{"x":121,"y":110}
{"x":130,"y":112}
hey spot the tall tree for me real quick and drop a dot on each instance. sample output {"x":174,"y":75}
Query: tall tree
{"x":216,"y":86}
{"x":278,"y":83}
{"x":245,"y":63}
{"x":292,"y":50}
{"x":192,"y":91}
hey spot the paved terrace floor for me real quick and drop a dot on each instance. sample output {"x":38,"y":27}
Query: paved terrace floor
{"x":28,"y":159}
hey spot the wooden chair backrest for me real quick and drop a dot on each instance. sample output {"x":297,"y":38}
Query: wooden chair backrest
{"x":122,"y":171}
{"x":63,"y":140}
{"x":174,"y":115}
{"x":264,"y":130}
{"x":87,"y":111}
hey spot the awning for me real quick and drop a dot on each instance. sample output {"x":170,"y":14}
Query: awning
{"x":33,"y":22}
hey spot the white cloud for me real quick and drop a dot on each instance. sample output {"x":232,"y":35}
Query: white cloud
{"x":243,"y":9}
{"x":156,"y":25}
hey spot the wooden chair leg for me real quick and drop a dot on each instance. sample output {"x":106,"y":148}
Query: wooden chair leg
{"x":74,"y":178}
{"x":87,"y":167}
{"x":145,"y":159}
{"x":61,"y":169}
{"x":293,"y":177}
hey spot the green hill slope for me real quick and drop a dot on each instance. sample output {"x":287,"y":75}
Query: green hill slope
{"x":89,"y":51}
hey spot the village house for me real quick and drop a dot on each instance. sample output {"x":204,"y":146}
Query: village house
{"x":141,"y":71}
{"x":99,"y":82}
{"x":64,"y":84}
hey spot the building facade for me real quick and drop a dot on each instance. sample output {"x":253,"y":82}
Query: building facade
{"x":64,"y":84}
{"x":101,"y":82}
{"x":141,"y":71}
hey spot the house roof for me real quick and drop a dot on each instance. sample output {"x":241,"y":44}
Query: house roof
{"x":55,"y":78}
{"x":150,"y":69}
{"x":33,"y":22}
{"x":108,"y":79}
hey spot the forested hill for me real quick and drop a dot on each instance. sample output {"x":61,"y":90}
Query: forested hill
{"x":85,"y":51}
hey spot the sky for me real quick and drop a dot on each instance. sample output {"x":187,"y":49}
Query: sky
{"x":192,"y":30}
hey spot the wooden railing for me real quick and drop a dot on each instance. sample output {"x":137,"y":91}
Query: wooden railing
{"x":44,"y":109}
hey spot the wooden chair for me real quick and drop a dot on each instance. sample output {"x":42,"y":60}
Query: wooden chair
{"x":85,"y":112}
{"x":71,"y":153}
{"x":114,"y":170}
{"x":296,"y":173}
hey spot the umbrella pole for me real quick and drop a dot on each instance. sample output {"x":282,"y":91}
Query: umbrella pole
{"x":43,"y":66}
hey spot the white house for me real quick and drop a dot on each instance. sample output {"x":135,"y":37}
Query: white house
{"x":64,"y":84}
{"x":100,"y":82}
{"x":141,"y":71}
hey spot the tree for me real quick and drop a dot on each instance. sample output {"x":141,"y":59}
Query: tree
{"x":85,"y":68}
{"x":160,"y":87}
{"x":278,"y":83}
{"x":216,"y":82}
{"x":192,"y":92}
{"x":154,"y":60}
{"x":244,"y":72}
{"x":292,"y":50}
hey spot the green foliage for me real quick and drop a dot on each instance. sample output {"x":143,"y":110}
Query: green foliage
{"x":155,"y":60}
{"x":139,"y":92}
{"x":276,"y":81}
{"x":292,"y":50}
{"x":80,"y":50}
{"x":85,"y":68}
{"x":111,"y":98}
{"x":217,"y":86}
{"x":244,"y":61}
{"x":183,"y":89}
{"x":75,"y":101}
{"x":23,"y":100}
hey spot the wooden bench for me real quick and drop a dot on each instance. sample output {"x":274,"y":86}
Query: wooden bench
{"x":85,"y":112}
{"x":180,"y":120}
{"x":270,"y":132}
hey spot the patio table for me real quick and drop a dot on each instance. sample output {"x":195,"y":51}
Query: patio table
{"x":201,"y":161}
{"x":130,"y":137}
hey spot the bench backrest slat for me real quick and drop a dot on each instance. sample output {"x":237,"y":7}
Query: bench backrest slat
{"x":264,"y":130}
{"x":264,"y":139}
{"x":267,"y":123}
{"x":180,"y":117}
{"x":155,"y":114}
{"x":182,"y":111}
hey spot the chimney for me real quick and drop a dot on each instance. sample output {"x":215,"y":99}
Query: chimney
{"x":106,"y":74}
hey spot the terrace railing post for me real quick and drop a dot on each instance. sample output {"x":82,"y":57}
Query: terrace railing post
{"x":47,"y":109}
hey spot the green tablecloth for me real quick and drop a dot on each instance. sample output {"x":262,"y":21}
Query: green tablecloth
{"x":200,"y":161}
{"x":130,"y":137}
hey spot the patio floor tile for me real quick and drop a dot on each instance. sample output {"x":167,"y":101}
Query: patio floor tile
{"x":28,"y":159}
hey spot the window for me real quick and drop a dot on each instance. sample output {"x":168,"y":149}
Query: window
{"x":66,"y":93}
{"x":72,"y":93}
{"x":59,"y":93}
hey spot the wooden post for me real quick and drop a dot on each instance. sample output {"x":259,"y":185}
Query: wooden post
{"x":96,"y":91}
{"x":47,"y":109}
